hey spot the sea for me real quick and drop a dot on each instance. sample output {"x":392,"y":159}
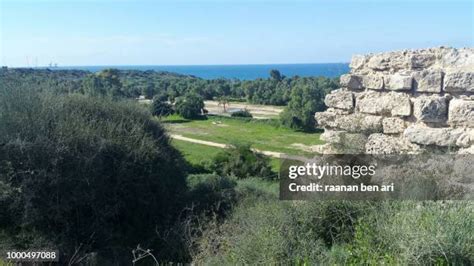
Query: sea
{"x":243,"y":72}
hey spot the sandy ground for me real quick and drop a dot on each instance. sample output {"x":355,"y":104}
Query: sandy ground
{"x":257,"y":111}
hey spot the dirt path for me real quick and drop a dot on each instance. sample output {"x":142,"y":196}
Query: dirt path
{"x":224,"y":146}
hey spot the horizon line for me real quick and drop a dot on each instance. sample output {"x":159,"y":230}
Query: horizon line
{"x":174,"y":65}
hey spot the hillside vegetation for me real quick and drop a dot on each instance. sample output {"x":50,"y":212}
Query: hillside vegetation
{"x":95,"y":175}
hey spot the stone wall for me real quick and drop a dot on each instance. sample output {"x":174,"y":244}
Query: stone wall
{"x":403,"y":102}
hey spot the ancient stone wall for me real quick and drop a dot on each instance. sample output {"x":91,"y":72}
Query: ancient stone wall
{"x":403,"y":102}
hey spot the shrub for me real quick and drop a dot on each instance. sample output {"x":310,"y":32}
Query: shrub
{"x":241,"y":113}
{"x":211,"y":194}
{"x":277,"y":232}
{"x":189,"y":106}
{"x":161,"y":108}
{"x":240,"y":161}
{"x":84,"y":173}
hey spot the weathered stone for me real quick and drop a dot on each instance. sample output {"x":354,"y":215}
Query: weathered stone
{"x":381,"y":103}
{"x":333,"y":136}
{"x":373,"y":81}
{"x":428,"y":81}
{"x":358,"y":62}
{"x":461,"y":113}
{"x":393,"y":125}
{"x":430,"y":108}
{"x":455,"y":60}
{"x":343,"y":142}
{"x":352,"y":122}
{"x":469,"y":150}
{"x":398,"y":82}
{"x":341,"y":99}
{"x":392,"y":61}
{"x":437,"y":136}
{"x":422,"y":59}
{"x":459,"y":82}
{"x":383,"y":144}
{"x":350,"y":81}
{"x":465,"y":140}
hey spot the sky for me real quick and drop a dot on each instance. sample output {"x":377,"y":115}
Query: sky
{"x":186,"y":32}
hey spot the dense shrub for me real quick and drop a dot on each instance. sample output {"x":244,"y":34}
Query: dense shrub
{"x":241,"y":113}
{"x":211,"y":194}
{"x":240,"y":161}
{"x":189,"y":106}
{"x":83,"y":173}
{"x":161,"y":108}
{"x":341,"y":233}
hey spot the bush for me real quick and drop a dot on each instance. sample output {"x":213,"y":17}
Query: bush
{"x":277,"y":232}
{"x":161,"y":108}
{"x":240,"y":161}
{"x":268,"y":231}
{"x":84,"y":173}
{"x":241,"y":113}
{"x":189,"y":106}
{"x":211,"y":194}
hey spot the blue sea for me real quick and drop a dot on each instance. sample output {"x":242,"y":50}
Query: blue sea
{"x":244,"y":72}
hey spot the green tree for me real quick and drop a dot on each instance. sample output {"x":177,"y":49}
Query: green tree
{"x":161,"y":108}
{"x":305,"y":101}
{"x":190,"y":106}
{"x":275,"y":75}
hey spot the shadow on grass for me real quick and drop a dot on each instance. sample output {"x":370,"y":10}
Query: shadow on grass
{"x":177,"y":121}
{"x":183,"y":120}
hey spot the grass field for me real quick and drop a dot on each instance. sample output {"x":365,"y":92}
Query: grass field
{"x":198,"y":154}
{"x":260,"y":134}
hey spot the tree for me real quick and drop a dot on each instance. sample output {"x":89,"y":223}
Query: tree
{"x":275,"y":74}
{"x":223,"y":101}
{"x":305,"y":101}
{"x":161,"y":108}
{"x":190,"y":106}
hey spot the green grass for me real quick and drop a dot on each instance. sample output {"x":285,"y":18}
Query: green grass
{"x":195,"y":153}
{"x":198,"y":154}
{"x":263,"y":135}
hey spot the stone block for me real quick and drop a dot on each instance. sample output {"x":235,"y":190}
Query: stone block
{"x":432,"y":108}
{"x":428,"y":81}
{"x":341,"y":99}
{"x":446,"y":137}
{"x":459,"y":82}
{"x":393,"y":125}
{"x":383,"y":144}
{"x":373,"y":81}
{"x":358,"y":62}
{"x":344,"y":142}
{"x":398,"y":82}
{"x":350,"y":81}
{"x":381,"y":103}
{"x":461,"y":113}
{"x":354,"y":123}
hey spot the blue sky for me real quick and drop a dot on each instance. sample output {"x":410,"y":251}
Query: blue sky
{"x":184,"y":32}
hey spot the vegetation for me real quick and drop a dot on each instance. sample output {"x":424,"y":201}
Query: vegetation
{"x":305,"y":101}
{"x":265,"y":135}
{"x":240,"y":161}
{"x":83,"y":174}
{"x":86,"y":171}
{"x":130,"y":84}
{"x":190,"y":106}
{"x":161,"y":108}
{"x":241,"y":113}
